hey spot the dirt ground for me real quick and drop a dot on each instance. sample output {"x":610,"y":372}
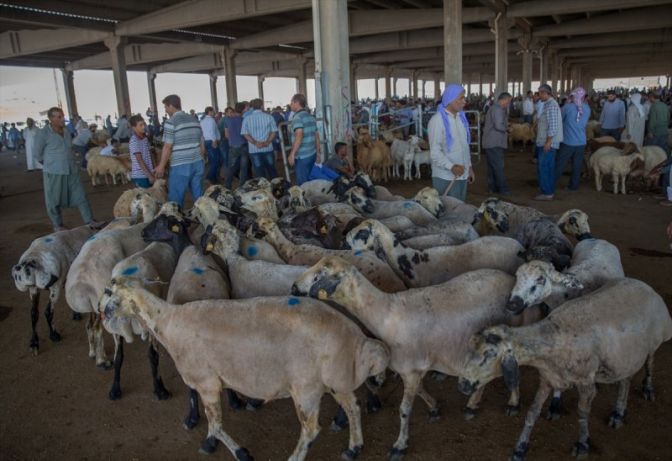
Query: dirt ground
{"x":54,"y":406}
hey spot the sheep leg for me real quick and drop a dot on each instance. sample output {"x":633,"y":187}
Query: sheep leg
{"x":159,"y":390}
{"x":598,"y":179}
{"x":586,"y":394}
{"x":101,"y":359}
{"x":373,"y":384}
{"x":411,"y":385}
{"x":349,"y":403}
{"x":615,"y":180}
{"x":213,"y":411}
{"x":90,"y":335}
{"x":623,"y":178}
{"x":307,"y":407}
{"x":194,"y":416}
{"x":76,"y":316}
{"x":472,"y":404}
{"x":49,"y":312}
{"x":618,"y":414}
{"x":34,"y":316}
{"x":513,"y":405}
{"x":234,"y":401}
{"x":115,"y":390}
{"x":434,"y":414}
{"x":647,"y":384}
{"x":555,"y":409}
{"x":532,"y":415}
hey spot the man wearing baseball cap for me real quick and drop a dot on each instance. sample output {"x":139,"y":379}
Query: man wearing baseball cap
{"x":549,"y":137}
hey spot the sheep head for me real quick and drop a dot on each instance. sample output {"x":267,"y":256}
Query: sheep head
{"x":145,"y":205}
{"x":575,"y":222}
{"x":279,"y":187}
{"x":330,"y":279}
{"x":221,"y":239}
{"x":637,"y":162}
{"x":171,"y":209}
{"x":367,"y":237}
{"x":260,"y":202}
{"x":117,"y":307}
{"x":358,"y":200}
{"x":340,"y":186}
{"x":491,"y":354}
{"x":263,"y":226}
{"x":363,"y":180}
{"x":25,"y":274}
{"x":430,"y":200}
{"x":534,"y":283}
{"x":297,"y":198}
{"x":490,"y":211}
{"x":255,"y":184}
{"x":205,"y":211}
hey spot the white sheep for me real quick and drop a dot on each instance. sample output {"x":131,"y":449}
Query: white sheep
{"x":574,"y":222}
{"x":421,"y":158}
{"x":379,"y":209}
{"x":653,"y":156}
{"x":104,"y":165}
{"x":523,"y":132}
{"x":325,"y":352}
{"x":421,"y":268}
{"x":500,"y":217}
{"x":425,"y":328}
{"x":402,"y":154}
{"x":44,"y":266}
{"x":609,"y":160}
{"x":122,"y":207}
{"x":603,"y":337}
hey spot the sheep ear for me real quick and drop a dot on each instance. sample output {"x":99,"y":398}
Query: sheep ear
{"x":510,"y":372}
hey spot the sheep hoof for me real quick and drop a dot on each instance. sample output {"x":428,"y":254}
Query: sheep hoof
{"x":190,"y":422}
{"x":373,"y":404}
{"x":555,"y":409}
{"x":76,"y":316}
{"x":114,"y":394}
{"x":396,"y":454}
{"x":106,"y":365}
{"x":254,"y":404}
{"x":512,"y":410}
{"x":434,"y":415}
{"x":469,"y":413}
{"x":55,"y":336}
{"x":581,"y":450}
{"x":35,"y":346}
{"x":520,"y":452}
{"x":648,"y":393}
{"x":351,"y":453}
{"x":243,"y":455}
{"x":208,"y":446}
{"x":616,"y":419}
{"x":162,"y":393}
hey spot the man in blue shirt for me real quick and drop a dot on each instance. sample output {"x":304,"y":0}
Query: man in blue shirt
{"x":305,"y":140}
{"x":575,"y":115}
{"x":259,"y":129}
{"x":238,"y":160}
{"x":612,"y":117}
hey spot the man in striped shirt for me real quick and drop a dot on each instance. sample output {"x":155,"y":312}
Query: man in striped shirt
{"x":142,"y":167}
{"x":184,"y":147}
{"x":259,"y":129}
{"x":305,"y":140}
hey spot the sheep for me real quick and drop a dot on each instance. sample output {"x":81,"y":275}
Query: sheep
{"x":609,"y":160}
{"x":295,"y":201}
{"x":380,"y":274}
{"x":424,"y":242}
{"x":592,"y":129}
{"x":421,"y":158}
{"x":574,"y":222}
{"x":603,"y":337}
{"x":104,"y":165}
{"x":497,"y":216}
{"x":363,"y":180}
{"x":379,"y":209}
{"x":425,"y":328}
{"x":400,"y":150}
{"x":319,"y":191}
{"x":326,"y":352}
{"x":44,"y":266}
{"x":521,"y":132}
{"x":122,"y":207}
{"x":280,"y":187}
{"x":653,"y":156}
{"x":374,"y":157}
{"x":455,"y":208}
{"x":421,"y":268}
{"x":90,"y":272}
{"x":430,"y":200}
{"x":545,"y":233}
{"x":457,"y":230}
{"x":383,"y":193}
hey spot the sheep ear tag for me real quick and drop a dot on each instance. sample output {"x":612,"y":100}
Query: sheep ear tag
{"x":175,"y":228}
{"x":209,"y":246}
{"x":322,"y":294}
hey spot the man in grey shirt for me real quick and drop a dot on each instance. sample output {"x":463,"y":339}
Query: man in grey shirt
{"x":495,"y":143}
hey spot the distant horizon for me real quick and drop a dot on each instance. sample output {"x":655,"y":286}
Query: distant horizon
{"x":27,"y":91}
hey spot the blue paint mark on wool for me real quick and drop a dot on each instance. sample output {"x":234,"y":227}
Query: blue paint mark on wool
{"x":408,"y":204}
{"x":292,"y":301}
{"x":93,"y":237}
{"x":197,"y":270}
{"x":48,"y":240}
{"x":358,"y":253}
{"x":130,"y":270}
{"x":252,"y":251}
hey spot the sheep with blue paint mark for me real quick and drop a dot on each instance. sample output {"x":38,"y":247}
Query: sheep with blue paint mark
{"x":44,"y":266}
{"x":422,"y":210}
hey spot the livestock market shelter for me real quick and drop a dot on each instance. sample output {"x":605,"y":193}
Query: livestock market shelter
{"x":339,"y":41}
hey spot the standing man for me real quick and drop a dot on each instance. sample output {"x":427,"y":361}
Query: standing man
{"x":635,"y":117}
{"x":449,"y":139}
{"x":81,"y":142}
{"x":305,"y":140}
{"x":612,"y":117}
{"x":659,"y":120}
{"x":238,"y":161}
{"x":211,"y":136}
{"x":62,"y":186}
{"x":549,"y":137}
{"x":528,"y":108}
{"x":14,"y":137}
{"x":183,"y":146}
{"x":259,"y":129}
{"x":575,"y":115}
{"x":495,"y":143}
{"x":29,"y":133}
{"x":123,"y":133}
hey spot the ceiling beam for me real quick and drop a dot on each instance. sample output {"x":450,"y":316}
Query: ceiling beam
{"x":613,"y":50}
{"x":550,"y":7}
{"x":199,"y":12}
{"x":25,"y":42}
{"x":213,"y":61}
{"x":614,"y":39}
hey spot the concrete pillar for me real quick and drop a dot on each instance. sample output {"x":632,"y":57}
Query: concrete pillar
{"x":424,"y":89}
{"x":151,"y":86}
{"x":437,"y":88}
{"x":469,"y":87}
{"x":260,"y":86}
{"x":116,"y":46}
{"x":213,"y":91}
{"x":543,"y":64}
{"x":501,"y":28}
{"x":69,"y":86}
{"x":229,"y":60}
{"x":376,"y":88}
{"x":332,"y":26}
{"x":452,"y":41}
{"x":301,"y":86}
{"x":394,"y":86}
{"x":353,"y":82}
{"x":388,"y":82}
{"x":480,"y":83}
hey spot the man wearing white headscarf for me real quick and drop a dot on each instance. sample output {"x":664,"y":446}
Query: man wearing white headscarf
{"x":635,"y":121}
